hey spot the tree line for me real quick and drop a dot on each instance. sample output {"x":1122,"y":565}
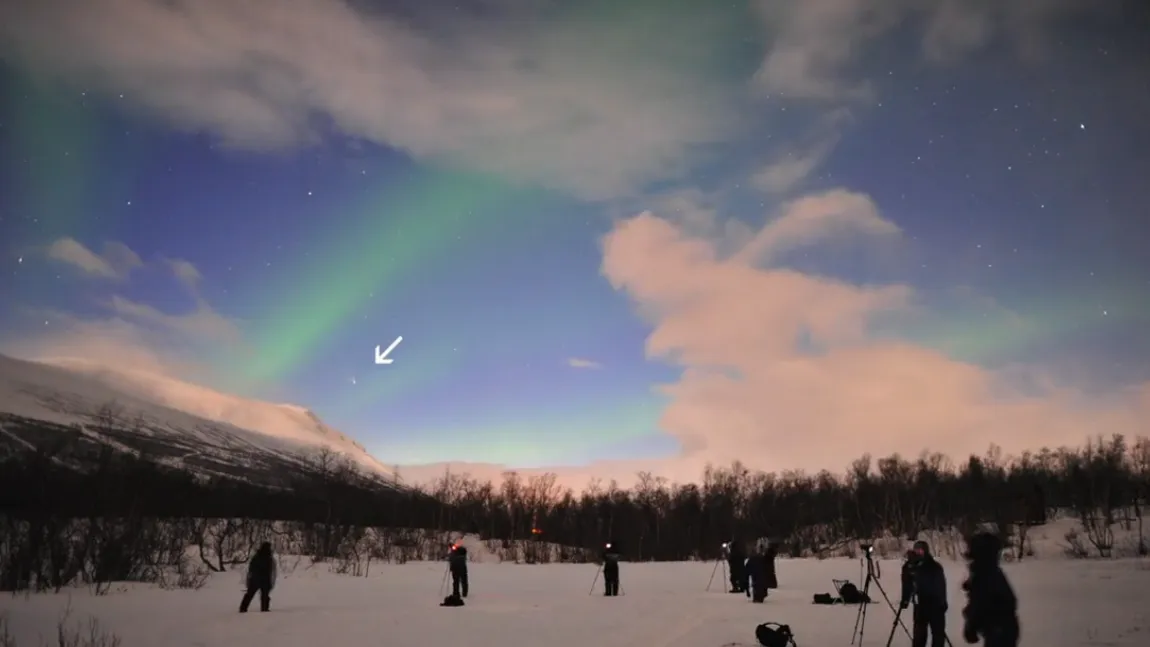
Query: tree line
{"x":127,"y":517}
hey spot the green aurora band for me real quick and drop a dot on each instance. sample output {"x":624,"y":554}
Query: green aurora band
{"x":412,"y":220}
{"x":53,"y":146}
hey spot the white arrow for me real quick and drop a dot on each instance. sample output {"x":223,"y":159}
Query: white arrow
{"x":382,"y":358}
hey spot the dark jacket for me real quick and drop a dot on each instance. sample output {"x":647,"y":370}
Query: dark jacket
{"x":735,"y":553}
{"x":610,"y":559}
{"x":262,"y":569}
{"x":992,"y":609}
{"x":924,"y":583}
{"x":756,"y":571}
{"x":457,"y":559}
{"x":769,"y":576}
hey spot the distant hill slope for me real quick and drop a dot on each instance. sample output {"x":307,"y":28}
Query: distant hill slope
{"x":181,"y":424}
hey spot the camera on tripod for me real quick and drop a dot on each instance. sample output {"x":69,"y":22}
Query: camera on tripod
{"x":867,"y":549}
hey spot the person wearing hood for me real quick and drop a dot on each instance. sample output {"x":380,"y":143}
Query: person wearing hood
{"x":769,"y":574}
{"x":757,"y":575}
{"x":261,"y":578}
{"x":991,"y":612}
{"x":924,"y":583}
{"x":610,"y":559}
{"x":736,"y":559}
{"x":457,"y":564}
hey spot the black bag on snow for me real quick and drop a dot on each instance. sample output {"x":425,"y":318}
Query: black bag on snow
{"x":773,"y":634}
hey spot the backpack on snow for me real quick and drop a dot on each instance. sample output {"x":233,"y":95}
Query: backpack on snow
{"x":773,"y":634}
{"x":852,"y":595}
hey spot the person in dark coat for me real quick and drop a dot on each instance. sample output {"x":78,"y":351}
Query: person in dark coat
{"x":736,"y":559}
{"x":610,"y":559}
{"x":991,"y":611}
{"x":924,"y":584}
{"x":757,"y":576}
{"x":261,"y":578}
{"x":457,"y":564}
{"x":769,"y":574}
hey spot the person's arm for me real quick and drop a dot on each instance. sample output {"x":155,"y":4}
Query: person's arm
{"x":907,"y":587}
{"x":974,"y":615}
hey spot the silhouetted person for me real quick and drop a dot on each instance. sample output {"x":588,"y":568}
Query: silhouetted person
{"x":770,"y":577}
{"x":757,"y":575}
{"x":991,"y":611}
{"x":736,"y":562}
{"x":924,"y":583}
{"x":457,"y":563}
{"x":611,"y":570}
{"x":261,"y":578}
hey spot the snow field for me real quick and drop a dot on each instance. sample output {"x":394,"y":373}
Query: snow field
{"x":1063,"y":603}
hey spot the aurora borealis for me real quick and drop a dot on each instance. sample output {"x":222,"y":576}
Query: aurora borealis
{"x":339,"y":174}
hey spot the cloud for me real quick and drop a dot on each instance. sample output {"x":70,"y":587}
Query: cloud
{"x":786,"y":367}
{"x":591,"y":100}
{"x":185,"y":272}
{"x":819,"y":47}
{"x":131,"y":333}
{"x":792,"y":165}
{"x":116,"y":262}
{"x":506,"y":87}
{"x":837,"y":213}
{"x":576,"y":362}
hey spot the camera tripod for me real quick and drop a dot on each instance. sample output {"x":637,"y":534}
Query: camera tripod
{"x":596,"y":580}
{"x":719,"y":563}
{"x":860,"y":619}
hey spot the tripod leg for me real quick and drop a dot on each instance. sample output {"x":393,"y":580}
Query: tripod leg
{"x":443,"y":582}
{"x":897,"y":610}
{"x":596,"y":579}
{"x":860,"y":617}
{"x":894,"y":626}
{"x":712,"y":580}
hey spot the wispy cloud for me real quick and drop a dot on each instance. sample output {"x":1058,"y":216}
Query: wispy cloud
{"x":505,"y":87}
{"x":180,"y":344}
{"x":576,"y":362}
{"x":116,"y":262}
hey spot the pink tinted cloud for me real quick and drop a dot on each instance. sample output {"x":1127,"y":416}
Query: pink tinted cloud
{"x":780,"y":369}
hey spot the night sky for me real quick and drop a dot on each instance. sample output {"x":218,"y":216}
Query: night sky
{"x":659,"y":232}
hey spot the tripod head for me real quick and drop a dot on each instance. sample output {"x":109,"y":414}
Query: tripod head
{"x":872,"y":569}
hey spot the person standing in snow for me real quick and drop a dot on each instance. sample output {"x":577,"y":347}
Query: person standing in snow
{"x":261,"y":578}
{"x":770,"y":576}
{"x":736,"y":560}
{"x":457,"y":563}
{"x":759,"y":575}
{"x":924,"y":583}
{"x":991,"y":611}
{"x":610,"y":570}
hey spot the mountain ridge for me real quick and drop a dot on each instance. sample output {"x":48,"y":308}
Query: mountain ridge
{"x":77,"y":393}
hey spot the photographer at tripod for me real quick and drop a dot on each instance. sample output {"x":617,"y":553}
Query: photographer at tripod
{"x":924,"y":584}
{"x":864,"y":600}
{"x":736,"y":565}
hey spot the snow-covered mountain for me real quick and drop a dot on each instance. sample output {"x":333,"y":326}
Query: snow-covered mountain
{"x":188,"y":424}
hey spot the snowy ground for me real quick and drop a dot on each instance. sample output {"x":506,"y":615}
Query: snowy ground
{"x":1064,"y":603}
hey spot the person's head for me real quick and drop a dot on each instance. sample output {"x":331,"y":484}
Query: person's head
{"x":984,"y":548}
{"x":920,"y":550}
